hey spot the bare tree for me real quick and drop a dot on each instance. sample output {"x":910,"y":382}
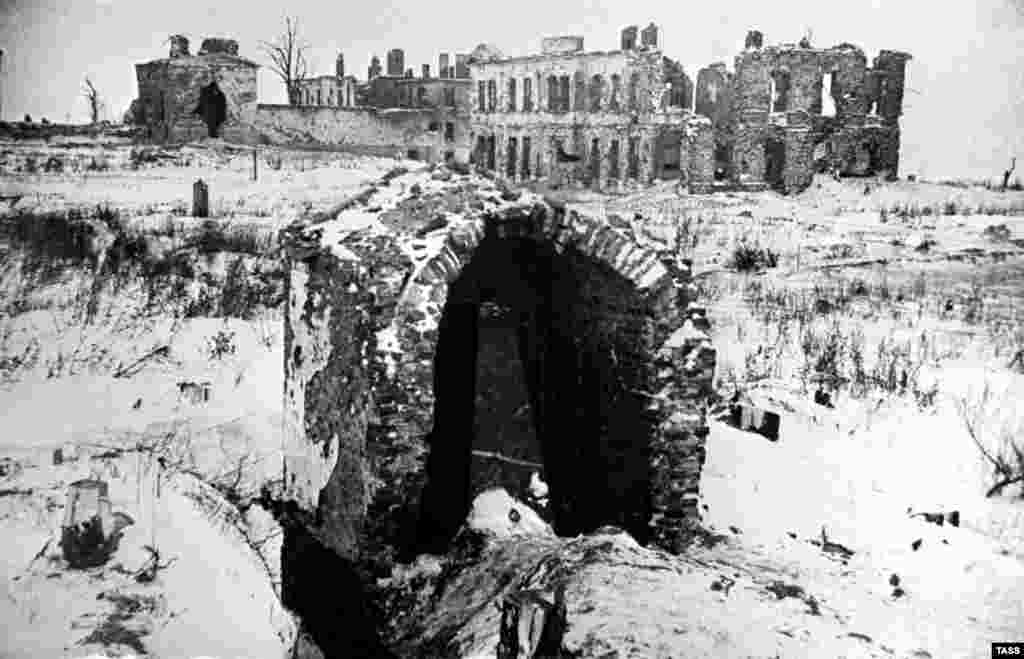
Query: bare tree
{"x":1008,"y":173}
{"x":287,"y":55}
{"x":92,"y":97}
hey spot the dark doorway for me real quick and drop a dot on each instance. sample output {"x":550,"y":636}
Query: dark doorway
{"x":633,"y":158}
{"x":556,"y":341}
{"x":526,"y":158}
{"x":668,"y":155}
{"x":511,"y":157}
{"x":595,"y":161}
{"x":492,"y":154}
{"x":212,"y":108}
{"x":723,"y":161}
{"x":774,"y":163}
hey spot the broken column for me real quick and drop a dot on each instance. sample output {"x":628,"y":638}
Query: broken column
{"x":179,"y":46}
{"x":442,"y":65}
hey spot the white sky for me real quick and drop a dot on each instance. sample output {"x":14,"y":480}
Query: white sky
{"x":963,"y":114}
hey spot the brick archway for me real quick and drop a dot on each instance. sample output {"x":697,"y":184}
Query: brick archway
{"x":362,"y":337}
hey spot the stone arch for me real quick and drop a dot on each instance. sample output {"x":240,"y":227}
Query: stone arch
{"x":388,"y":369}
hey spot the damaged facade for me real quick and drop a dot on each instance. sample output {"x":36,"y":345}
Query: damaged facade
{"x":601,"y":118}
{"x":462,"y":322}
{"x":796,"y":110}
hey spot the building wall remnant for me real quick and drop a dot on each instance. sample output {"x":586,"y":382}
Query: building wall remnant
{"x":170,"y":91}
{"x":383,"y":346}
{"x":570,"y":113}
{"x":778,"y":125}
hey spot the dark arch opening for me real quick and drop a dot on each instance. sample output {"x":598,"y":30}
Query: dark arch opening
{"x":212,"y":108}
{"x":579,"y":334}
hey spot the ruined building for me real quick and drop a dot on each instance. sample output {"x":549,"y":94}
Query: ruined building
{"x":186,"y":96}
{"x":214,"y":93}
{"x":599,"y":118}
{"x":337,"y":90}
{"x":602,"y":118}
{"x":596,"y":117}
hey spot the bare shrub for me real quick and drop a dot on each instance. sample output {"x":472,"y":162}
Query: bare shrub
{"x":1000,"y":444}
{"x":749,"y":257}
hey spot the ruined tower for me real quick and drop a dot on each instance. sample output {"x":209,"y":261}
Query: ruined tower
{"x":649,"y":37}
{"x":396,"y":62}
{"x":755,"y":39}
{"x":442,"y":65}
{"x":426,"y":70}
{"x":629,"y":37}
{"x":339,"y":66}
{"x":374,"y":69}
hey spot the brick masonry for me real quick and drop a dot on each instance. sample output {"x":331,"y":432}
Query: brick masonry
{"x":364,"y":308}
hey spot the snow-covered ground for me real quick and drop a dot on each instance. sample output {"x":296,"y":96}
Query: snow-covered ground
{"x":853,"y":471}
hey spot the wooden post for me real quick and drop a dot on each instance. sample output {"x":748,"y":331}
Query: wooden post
{"x":200,"y":199}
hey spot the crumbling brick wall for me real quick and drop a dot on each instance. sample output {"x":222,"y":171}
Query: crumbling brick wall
{"x":396,"y":133}
{"x":366,"y":307}
{"x":777,"y":113}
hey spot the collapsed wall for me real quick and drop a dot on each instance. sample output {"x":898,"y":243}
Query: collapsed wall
{"x":401,"y":305}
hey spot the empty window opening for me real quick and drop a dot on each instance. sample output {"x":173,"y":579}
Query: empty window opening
{"x":668,"y":155}
{"x":774,"y":163}
{"x":512,"y":155}
{"x":525,"y":173}
{"x":512,"y":95}
{"x":492,"y":153}
{"x":633,"y":93}
{"x":527,"y":95}
{"x":780,"y":91}
{"x":552,"y":93}
{"x":633,"y":158}
{"x":434,"y":126}
{"x":319,"y":97}
{"x":533,"y":347}
{"x":492,"y":95}
{"x":723,"y":159}
{"x":449,"y":131}
{"x":563,"y":88}
{"x":413,"y":154}
{"x":579,"y":92}
{"x":421,"y":96}
{"x":828,"y":101}
{"x":212,"y":108}
{"x":481,"y":96}
{"x":596,"y":92}
{"x":595,"y":160}
{"x":613,"y":159}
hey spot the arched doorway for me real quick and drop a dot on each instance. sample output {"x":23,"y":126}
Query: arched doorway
{"x":543,"y":357}
{"x":212,"y":108}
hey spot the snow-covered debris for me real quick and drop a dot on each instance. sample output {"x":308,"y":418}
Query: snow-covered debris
{"x":497,"y":513}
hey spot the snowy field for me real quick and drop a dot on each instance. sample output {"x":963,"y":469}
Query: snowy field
{"x":936,"y":296}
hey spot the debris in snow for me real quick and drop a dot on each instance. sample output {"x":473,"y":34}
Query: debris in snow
{"x":916,"y":544}
{"x":492,"y":514}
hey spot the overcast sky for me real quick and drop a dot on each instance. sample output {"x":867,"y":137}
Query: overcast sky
{"x":964,"y":110}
